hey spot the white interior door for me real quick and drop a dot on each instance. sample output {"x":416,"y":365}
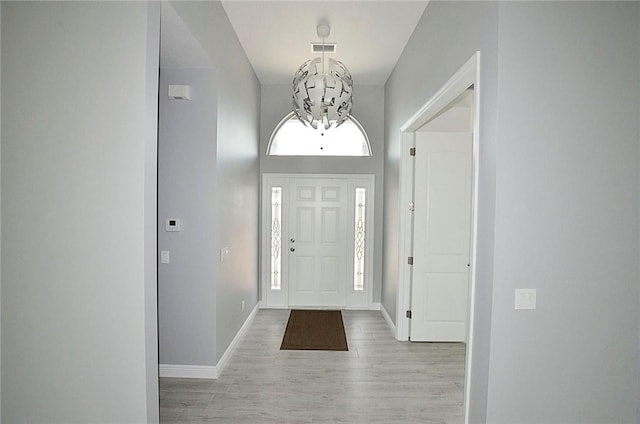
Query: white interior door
{"x":317,"y":246}
{"x":442,"y":234}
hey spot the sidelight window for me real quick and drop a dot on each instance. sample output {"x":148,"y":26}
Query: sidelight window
{"x":276,"y":238}
{"x":359,"y":239}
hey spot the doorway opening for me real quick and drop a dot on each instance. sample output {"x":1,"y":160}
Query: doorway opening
{"x":317,"y":241}
{"x":446,"y":130}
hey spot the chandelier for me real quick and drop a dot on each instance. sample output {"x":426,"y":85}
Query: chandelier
{"x":322,"y":92}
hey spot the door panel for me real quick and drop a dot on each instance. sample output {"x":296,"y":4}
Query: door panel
{"x":331,"y":194}
{"x":442,"y":233}
{"x":329,"y":277}
{"x":330,"y":225}
{"x":302,"y":264}
{"x":305,"y":224}
{"x":318,"y":274}
{"x":305,"y":193}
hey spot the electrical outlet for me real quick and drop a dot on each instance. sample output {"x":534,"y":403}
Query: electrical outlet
{"x":525,"y":299}
{"x":224,"y":252}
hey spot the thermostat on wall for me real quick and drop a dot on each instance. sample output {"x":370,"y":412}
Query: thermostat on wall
{"x":173,"y":224}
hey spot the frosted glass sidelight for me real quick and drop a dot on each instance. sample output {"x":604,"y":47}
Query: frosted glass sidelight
{"x":276,"y":238}
{"x":359,"y":239}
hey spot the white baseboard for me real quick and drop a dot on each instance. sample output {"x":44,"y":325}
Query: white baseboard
{"x":206,"y":371}
{"x":388,"y":319}
{"x":187,"y":371}
{"x":372,"y":307}
{"x":224,"y":359}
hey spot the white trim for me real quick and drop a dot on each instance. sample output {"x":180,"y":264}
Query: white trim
{"x":224,"y":359}
{"x":405,"y":238}
{"x":373,"y":306}
{"x":387,"y":318}
{"x":207,"y":371}
{"x":474,"y":231}
{"x":187,"y":371}
{"x":468,"y":75}
{"x":457,"y":84}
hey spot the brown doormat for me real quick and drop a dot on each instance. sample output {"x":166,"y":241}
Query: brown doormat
{"x":314,"y":330}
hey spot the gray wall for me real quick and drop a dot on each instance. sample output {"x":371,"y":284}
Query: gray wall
{"x":448,"y":34}
{"x":558,"y":186}
{"x":187,"y":190}
{"x":567,"y":214}
{"x":368,"y":109}
{"x":79,"y":117}
{"x":237,"y":167}
{"x":151,"y":212}
{"x":0,"y":217}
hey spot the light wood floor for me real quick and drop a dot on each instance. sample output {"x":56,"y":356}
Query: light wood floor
{"x":379,"y":380}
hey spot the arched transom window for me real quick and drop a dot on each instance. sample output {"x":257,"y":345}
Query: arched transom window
{"x":292,"y":138}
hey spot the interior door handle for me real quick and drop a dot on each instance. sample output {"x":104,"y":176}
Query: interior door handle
{"x":292,"y":249}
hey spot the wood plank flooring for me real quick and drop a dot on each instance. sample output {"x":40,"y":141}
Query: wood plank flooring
{"x":379,"y":380}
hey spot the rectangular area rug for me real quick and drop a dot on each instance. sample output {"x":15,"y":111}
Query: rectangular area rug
{"x":314,"y":330}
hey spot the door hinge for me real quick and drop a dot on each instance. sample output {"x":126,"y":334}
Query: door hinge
{"x":412,"y":206}
{"x":409,"y":314}
{"x":412,"y":151}
{"x":410,"y":260}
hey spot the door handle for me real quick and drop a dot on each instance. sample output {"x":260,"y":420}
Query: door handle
{"x":292,"y":240}
{"x":292,"y":249}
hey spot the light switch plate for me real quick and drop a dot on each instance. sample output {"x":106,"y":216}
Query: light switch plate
{"x":525,"y":299}
{"x":164,"y":256}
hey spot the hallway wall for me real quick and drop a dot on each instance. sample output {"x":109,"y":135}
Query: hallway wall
{"x":567,"y":216}
{"x":448,"y":34}
{"x":187,"y":191}
{"x":79,"y":120}
{"x":237,"y":181}
{"x":559,"y":199}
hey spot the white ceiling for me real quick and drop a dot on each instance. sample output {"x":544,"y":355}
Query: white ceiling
{"x":371,"y":34}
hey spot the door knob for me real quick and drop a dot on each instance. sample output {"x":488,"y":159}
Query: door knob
{"x":292,"y":249}
{"x":292,"y":240}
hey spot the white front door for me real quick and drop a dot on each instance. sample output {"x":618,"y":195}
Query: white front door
{"x":317,"y":242}
{"x":442,"y":234}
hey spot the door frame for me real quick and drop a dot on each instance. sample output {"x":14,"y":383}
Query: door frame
{"x":280,"y":300}
{"x":466,"y":77}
